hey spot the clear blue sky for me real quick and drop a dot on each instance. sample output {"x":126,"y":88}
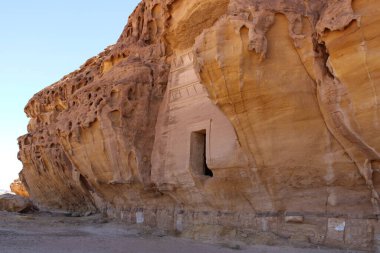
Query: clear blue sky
{"x":40,"y":42}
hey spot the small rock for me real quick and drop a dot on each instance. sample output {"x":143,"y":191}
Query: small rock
{"x":159,"y":233}
{"x":76,"y":214}
{"x":234,"y":245}
{"x":294,"y":219}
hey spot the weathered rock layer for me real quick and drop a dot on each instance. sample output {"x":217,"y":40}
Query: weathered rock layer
{"x":14,"y":203}
{"x":249,"y":120}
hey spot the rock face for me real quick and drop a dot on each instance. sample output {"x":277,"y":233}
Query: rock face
{"x":14,"y":203}
{"x":19,"y":189}
{"x":246,"y":120}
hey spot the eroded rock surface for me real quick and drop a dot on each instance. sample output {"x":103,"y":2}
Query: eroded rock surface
{"x":220,"y":118}
{"x":14,"y":203}
{"x":18,"y":188}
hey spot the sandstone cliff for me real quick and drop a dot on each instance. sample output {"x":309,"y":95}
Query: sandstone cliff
{"x":241,"y":119}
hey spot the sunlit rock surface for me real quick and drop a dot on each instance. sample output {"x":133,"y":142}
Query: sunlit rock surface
{"x":251,"y":121}
{"x":18,"y":188}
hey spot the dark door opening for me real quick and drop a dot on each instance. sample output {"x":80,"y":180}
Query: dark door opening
{"x":198,"y":158}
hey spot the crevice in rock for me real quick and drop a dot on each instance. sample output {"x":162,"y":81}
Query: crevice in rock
{"x":331,"y":92}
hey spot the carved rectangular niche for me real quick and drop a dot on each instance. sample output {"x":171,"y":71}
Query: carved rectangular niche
{"x":198,"y":156}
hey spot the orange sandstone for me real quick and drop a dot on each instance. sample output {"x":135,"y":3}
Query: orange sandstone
{"x":247,"y":120}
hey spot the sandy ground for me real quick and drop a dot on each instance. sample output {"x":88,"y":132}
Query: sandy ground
{"x":47,"y":233}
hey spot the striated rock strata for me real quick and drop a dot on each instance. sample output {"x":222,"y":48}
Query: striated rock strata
{"x":247,"y":120}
